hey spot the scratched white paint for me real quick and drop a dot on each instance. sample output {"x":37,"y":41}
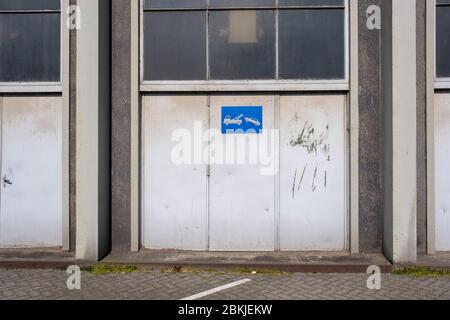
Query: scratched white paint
{"x":242,"y":201}
{"x":442,"y":180}
{"x":175,"y":196}
{"x":30,"y":213}
{"x":235,"y":207}
{"x":312,"y":177}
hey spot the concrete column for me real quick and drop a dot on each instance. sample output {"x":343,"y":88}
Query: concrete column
{"x":399,"y":126}
{"x":93,"y":131}
{"x":370,"y":138}
{"x":121,"y":125}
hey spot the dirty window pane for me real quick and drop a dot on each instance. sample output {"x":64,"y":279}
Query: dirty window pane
{"x":242,"y":44}
{"x":30,"y":4}
{"x":30,"y":47}
{"x":175,"y":4}
{"x":175,"y":45}
{"x":311,"y":3}
{"x":312,"y":44}
{"x":443,"y":41}
{"x":241,"y":3}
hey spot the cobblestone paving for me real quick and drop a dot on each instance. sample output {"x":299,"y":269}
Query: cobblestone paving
{"x":51,"y":284}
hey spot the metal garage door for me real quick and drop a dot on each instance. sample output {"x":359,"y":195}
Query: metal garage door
{"x":241,"y":199}
{"x":442,"y":149}
{"x":175,"y":195}
{"x":312,"y":173}
{"x":31,"y":160}
{"x":234,"y":205}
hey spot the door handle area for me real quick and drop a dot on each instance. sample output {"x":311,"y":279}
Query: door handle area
{"x":6,"y":181}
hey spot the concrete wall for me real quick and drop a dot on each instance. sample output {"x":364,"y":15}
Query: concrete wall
{"x":370,"y":192}
{"x":377,"y":142}
{"x":121,"y":125}
{"x":72,"y":134}
{"x":104,"y":127}
{"x":93,"y":131}
{"x":387,"y":130}
{"x":421,"y":128}
{"x":370,"y":150}
{"x":399,"y":114}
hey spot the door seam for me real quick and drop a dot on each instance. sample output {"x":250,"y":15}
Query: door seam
{"x":208,"y":177}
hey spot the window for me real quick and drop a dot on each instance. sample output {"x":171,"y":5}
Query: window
{"x":242,"y":44}
{"x":204,"y":40}
{"x":443,"y":39}
{"x":175,"y":45}
{"x":30,"y":40}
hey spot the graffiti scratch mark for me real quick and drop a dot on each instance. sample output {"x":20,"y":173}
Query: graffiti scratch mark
{"x":303,"y":175}
{"x":307,"y":139}
{"x":314,"y":180}
{"x":293,"y":185}
{"x":316,"y":144}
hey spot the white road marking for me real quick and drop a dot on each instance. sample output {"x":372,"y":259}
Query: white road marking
{"x":215,"y":290}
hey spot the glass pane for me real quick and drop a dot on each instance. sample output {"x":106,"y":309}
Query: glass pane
{"x":30,"y":47}
{"x":175,"y":45}
{"x":171,"y":4}
{"x":242,"y":44}
{"x":311,"y":3}
{"x":241,"y":3}
{"x":443,"y":42}
{"x":30,"y":4}
{"x":312,"y":44}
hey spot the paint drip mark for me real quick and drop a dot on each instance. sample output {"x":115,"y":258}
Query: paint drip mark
{"x":293,"y":185}
{"x":325,"y":179}
{"x":303,"y":176}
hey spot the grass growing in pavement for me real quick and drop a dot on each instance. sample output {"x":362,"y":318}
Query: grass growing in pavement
{"x":101,"y":268}
{"x":230,"y":270}
{"x":422,"y":272}
{"x":108,"y":268}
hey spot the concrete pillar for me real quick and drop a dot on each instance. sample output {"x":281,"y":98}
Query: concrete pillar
{"x":399,"y":127}
{"x":93,"y":131}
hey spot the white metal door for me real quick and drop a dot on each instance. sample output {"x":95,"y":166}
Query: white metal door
{"x":175,"y":191}
{"x":241,"y":198}
{"x":442,"y":169}
{"x":31,"y":181}
{"x":312,"y":173}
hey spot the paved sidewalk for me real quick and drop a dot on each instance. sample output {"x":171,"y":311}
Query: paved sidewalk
{"x":51,"y":284}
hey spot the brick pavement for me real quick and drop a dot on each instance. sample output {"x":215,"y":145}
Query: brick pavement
{"x":149,"y":285}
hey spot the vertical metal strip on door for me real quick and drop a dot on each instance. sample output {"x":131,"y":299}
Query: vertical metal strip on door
{"x":312,"y":172}
{"x":175,"y":177}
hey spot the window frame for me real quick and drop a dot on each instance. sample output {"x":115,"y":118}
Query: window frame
{"x":245,"y":85}
{"x":42,"y":86}
{"x":439,"y":82}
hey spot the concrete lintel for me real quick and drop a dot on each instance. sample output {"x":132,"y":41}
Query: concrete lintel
{"x":93,"y":131}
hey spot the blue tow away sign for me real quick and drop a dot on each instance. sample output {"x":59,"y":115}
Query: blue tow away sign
{"x":242,"y":120}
